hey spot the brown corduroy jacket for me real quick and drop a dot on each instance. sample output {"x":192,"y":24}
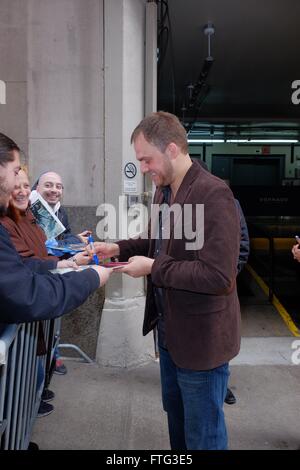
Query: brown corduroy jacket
{"x":202,"y":313}
{"x":27,"y":237}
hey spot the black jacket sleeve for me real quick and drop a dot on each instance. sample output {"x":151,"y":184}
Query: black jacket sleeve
{"x":41,"y":266}
{"x":27,"y":296}
{"x":67,"y":235}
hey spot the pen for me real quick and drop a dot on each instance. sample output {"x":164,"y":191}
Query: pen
{"x":91,"y":242}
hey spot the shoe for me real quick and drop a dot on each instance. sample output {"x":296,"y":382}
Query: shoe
{"x":60,"y":368}
{"x":33,"y":446}
{"x":230,"y":398}
{"x":45,"y":409}
{"x":47,"y":395}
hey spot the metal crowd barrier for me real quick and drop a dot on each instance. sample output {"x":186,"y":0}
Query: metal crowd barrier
{"x":19,"y":364}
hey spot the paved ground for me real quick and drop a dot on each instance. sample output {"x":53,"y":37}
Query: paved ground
{"x":98,"y":408}
{"x":104,"y":408}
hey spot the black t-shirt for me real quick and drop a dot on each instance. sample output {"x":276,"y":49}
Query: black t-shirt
{"x":158,"y":291}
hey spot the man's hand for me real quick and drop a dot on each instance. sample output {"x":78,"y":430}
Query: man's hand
{"x":105,"y":250}
{"x":66,"y":263}
{"x":84,"y":236}
{"x":82,"y":258}
{"x":103,"y":273}
{"x":137,"y":266}
{"x":296,"y":252}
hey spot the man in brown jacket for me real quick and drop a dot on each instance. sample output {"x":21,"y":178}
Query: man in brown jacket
{"x":191,"y":292}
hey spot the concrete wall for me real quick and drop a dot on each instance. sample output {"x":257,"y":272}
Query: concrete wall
{"x":66,"y":123}
{"x":120,"y":340}
{"x":13,"y":70}
{"x":65,"y":95}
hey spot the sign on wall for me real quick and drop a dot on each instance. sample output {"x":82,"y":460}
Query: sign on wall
{"x":130,"y":170}
{"x":130,"y":182}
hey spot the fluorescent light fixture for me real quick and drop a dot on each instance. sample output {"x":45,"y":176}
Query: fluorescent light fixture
{"x":243,"y":141}
{"x":274,"y":141}
{"x":262,"y":141}
{"x":206,"y":141}
{"x":237,"y":141}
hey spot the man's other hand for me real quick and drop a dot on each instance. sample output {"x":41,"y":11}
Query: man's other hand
{"x":137,"y":266}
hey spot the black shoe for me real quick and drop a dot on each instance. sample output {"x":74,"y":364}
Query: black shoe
{"x":45,"y":409}
{"x":33,"y":446}
{"x":230,"y":398}
{"x":47,"y":395}
{"x":60,"y":368}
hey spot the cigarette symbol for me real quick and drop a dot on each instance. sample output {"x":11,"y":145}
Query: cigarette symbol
{"x":130,"y":170}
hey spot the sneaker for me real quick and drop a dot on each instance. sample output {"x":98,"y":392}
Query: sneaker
{"x":60,"y":368}
{"x":47,"y":395}
{"x":230,"y":398}
{"x":45,"y":409}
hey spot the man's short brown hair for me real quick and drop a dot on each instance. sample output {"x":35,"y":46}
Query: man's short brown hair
{"x":160,"y":129}
{"x":7,"y":146}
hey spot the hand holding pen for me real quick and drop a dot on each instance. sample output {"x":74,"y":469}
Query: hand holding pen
{"x":92,"y":247}
{"x":106,"y":250}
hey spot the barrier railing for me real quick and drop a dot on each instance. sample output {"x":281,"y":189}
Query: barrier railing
{"x":20,"y":388}
{"x":23,"y":375}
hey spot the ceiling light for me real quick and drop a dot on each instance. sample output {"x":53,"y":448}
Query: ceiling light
{"x":205,"y":141}
{"x":261,"y":141}
{"x":237,"y":141}
{"x":273,"y":141}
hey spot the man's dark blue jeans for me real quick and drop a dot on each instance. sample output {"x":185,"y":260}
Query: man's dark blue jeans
{"x":194,"y":402}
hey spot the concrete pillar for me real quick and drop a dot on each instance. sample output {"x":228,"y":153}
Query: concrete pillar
{"x":66,"y":123}
{"x":120,"y":341}
{"x":13,"y":71}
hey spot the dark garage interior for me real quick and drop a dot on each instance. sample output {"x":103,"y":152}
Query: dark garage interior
{"x":232,"y":80}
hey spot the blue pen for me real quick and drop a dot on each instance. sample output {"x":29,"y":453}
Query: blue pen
{"x":91,"y":242}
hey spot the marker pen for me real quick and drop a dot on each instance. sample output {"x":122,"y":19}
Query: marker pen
{"x":91,"y":242}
